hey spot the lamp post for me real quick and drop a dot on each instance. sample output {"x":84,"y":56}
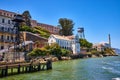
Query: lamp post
{"x":18,"y":19}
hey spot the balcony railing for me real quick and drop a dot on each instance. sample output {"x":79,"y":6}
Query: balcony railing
{"x":6,"y":25}
{"x":8,"y":30}
{"x":6,"y":40}
{"x":1,"y":40}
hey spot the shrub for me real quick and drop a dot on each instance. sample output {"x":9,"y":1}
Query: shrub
{"x":53,"y":49}
{"x":37,"y":52}
{"x":65,"y":52}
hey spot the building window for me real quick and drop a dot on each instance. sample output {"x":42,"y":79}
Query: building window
{"x":11,"y":15}
{"x":7,"y":37}
{"x":3,"y":20}
{"x":16,"y":39}
{"x":8,"y":21}
{"x":11,"y":37}
{"x":2,"y":28}
{"x":1,"y":36}
{"x":8,"y":29}
{"x":4,"y":14}
{"x":2,"y":47}
{"x":7,"y":14}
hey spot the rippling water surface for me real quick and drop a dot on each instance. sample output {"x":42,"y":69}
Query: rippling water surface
{"x":107,"y":68}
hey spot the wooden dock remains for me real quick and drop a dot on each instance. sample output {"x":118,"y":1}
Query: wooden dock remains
{"x":17,"y":68}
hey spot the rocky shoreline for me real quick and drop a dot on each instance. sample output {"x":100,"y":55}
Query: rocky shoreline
{"x":71,"y":57}
{"x":60,"y":58}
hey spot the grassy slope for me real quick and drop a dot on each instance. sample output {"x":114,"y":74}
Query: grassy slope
{"x":37,"y":30}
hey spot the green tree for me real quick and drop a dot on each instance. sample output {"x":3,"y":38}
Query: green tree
{"x":27,"y":17}
{"x":65,"y":52}
{"x":85,"y":44}
{"x":66,"y":26}
{"x":53,"y":49}
{"x":37,"y":52}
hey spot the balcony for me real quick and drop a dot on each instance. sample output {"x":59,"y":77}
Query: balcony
{"x":6,"y":25}
{"x":1,"y":40}
{"x":13,"y":41}
{"x":7,"y":41}
{"x":7,"y":30}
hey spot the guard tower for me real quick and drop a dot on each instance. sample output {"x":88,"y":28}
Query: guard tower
{"x":81,"y":33}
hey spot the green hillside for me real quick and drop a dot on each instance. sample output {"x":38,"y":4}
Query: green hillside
{"x":37,"y":30}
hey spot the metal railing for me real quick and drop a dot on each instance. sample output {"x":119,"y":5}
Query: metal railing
{"x":6,"y":40}
{"x":8,"y":30}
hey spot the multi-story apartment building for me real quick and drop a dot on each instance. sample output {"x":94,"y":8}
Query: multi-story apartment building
{"x":7,"y":30}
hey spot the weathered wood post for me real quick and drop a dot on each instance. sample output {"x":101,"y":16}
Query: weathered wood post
{"x":18,"y":68}
{"x":49,"y":64}
{"x":39,"y":67}
{"x":30,"y":67}
{"x":26,"y":68}
{"x":11,"y":70}
{"x":6,"y":70}
{"x":2,"y":72}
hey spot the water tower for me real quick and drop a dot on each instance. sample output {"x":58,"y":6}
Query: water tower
{"x":81,"y":33}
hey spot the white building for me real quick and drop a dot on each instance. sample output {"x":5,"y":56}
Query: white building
{"x":101,"y":46}
{"x":66,"y":42}
{"x":7,"y":30}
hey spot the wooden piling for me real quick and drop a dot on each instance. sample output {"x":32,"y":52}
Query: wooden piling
{"x":18,"y":68}
{"x":49,"y":64}
{"x":24,"y":67}
{"x":39,"y":67}
{"x":6,"y":70}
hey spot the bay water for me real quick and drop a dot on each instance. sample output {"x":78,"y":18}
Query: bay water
{"x":107,"y":68}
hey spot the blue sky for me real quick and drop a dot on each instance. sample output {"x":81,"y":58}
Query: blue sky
{"x":98,"y":17}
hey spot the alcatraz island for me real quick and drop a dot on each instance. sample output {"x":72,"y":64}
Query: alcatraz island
{"x":28,"y":45}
